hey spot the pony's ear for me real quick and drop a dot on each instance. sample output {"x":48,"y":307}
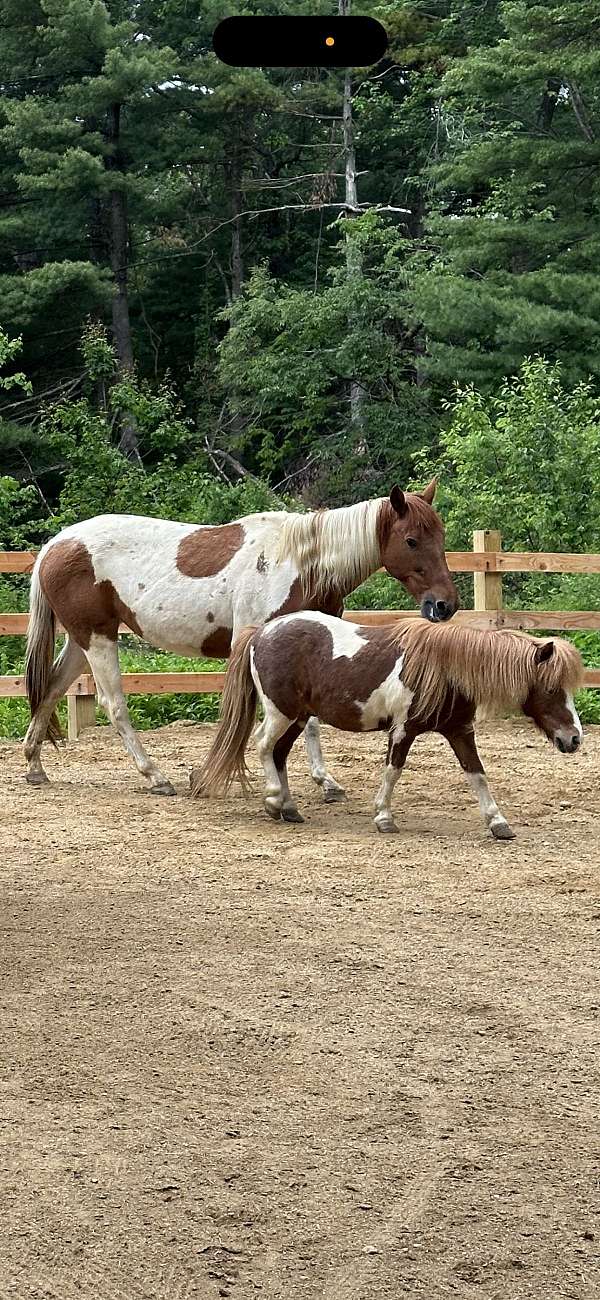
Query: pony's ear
{"x":544,"y":652}
{"x":428,"y":493}
{"x":398,"y":500}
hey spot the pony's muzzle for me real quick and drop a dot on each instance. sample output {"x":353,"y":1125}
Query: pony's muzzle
{"x":568,"y":742}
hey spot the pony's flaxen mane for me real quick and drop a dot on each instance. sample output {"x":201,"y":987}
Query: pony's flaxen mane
{"x":343,"y":547}
{"x":489,"y":668}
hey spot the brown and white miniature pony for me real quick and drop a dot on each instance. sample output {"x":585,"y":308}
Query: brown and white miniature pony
{"x":191,"y":589}
{"x":408,"y":679}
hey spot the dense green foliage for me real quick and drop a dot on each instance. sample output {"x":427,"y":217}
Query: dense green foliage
{"x":197,"y":319}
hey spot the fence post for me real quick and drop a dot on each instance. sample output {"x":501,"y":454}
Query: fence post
{"x":487,"y":595}
{"x":81,"y":712}
{"x":487,"y":587}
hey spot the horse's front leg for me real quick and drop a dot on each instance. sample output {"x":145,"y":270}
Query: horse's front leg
{"x":463,"y":744}
{"x":332,"y":792}
{"x":396,"y":758}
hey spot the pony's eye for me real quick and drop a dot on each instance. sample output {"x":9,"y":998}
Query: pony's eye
{"x":412,"y":542}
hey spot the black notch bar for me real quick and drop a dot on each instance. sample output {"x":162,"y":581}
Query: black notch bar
{"x":300,"y":42}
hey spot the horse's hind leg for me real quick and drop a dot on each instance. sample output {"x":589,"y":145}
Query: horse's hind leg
{"x":463,"y":744}
{"x":103,"y":658}
{"x":274,"y":738}
{"x":332,"y":792}
{"x":71,"y":661}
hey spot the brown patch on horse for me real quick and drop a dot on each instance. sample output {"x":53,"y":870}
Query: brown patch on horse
{"x":218,"y":644}
{"x":328,"y":602}
{"x":307,"y":681}
{"x":207,"y":551}
{"x":83,"y":605}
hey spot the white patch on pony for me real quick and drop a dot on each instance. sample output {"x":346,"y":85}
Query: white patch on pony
{"x":346,"y":637}
{"x":391,"y":699}
{"x":570,"y":703}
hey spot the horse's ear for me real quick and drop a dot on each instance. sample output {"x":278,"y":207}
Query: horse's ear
{"x":398,"y":500}
{"x":544,"y":652}
{"x":428,"y":493}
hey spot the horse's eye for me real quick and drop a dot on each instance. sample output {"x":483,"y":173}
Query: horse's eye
{"x":412,"y":542}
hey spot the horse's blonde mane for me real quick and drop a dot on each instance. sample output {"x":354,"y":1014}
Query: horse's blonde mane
{"x":489,"y":668}
{"x":332,"y":547}
{"x":342,"y":548}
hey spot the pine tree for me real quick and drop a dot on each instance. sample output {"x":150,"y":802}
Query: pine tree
{"x":518,"y":184}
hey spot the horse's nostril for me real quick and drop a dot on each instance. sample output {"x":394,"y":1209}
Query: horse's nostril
{"x":441,"y":608}
{"x":575,"y":741}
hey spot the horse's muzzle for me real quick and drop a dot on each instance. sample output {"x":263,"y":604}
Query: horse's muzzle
{"x":437,"y":611}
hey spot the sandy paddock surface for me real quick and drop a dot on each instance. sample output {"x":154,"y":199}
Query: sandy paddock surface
{"x":247,"y":1059}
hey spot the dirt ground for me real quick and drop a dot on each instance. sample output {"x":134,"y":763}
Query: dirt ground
{"x":240,"y":1058}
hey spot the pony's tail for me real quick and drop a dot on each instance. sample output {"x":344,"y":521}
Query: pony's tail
{"x":226,"y":757}
{"x":39,"y":655}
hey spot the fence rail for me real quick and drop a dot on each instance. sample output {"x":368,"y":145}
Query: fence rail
{"x":487,"y":562}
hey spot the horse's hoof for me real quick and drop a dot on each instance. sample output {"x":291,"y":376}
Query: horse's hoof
{"x":333,"y":794}
{"x":291,"y":815}
{"x":37,"y":778}
{"x":273,"y":811}
{"x":387,"y":828}
{"x":502,"y":831}
{"x":166,"y":788}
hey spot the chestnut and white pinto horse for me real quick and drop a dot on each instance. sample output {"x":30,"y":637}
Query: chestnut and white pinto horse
{"x":190,"y":589}
{"x":411,"y":678}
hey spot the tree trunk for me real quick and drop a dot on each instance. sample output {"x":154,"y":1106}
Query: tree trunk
{"x":235,"y":186}
{"x":119,"y":261}
{"x":548,"y":104}
{"x":353,"y":258}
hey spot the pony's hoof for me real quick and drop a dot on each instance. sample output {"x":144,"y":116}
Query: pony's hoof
{"x":333,"y":793}
{"x":37,"y":778}
{"x":165,"y":788}
{"x":272,"y":810}
{"x":502,"y":831}
{"x":291,"y":815}
{"x":387,"y":828}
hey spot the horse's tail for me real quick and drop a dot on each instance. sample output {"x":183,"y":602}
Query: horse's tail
{"x":39,"y":654}
{"x":226,"y":757}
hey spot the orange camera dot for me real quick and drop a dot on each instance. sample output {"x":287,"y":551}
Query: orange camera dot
{"x":329,"y":40}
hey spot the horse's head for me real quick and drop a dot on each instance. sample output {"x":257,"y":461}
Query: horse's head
{"x":550,"y":705}
{"x":411,"y":541}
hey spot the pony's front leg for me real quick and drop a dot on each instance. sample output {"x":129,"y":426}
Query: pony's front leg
{"x":463,"y":744}
{"x":396,"y":758}
{"x":332,"y":792}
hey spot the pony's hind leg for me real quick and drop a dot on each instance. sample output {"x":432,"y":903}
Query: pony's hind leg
{"x":281,"y":751}
{"x":463,"y":744}
{"x":332,"y":792}
{"x":71,"y":661}
{"x":396,"y":758}
{"x":103,"y":658}
{"x":274,"y":738}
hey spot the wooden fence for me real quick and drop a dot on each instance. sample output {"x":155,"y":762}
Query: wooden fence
{"x":487,"y":562}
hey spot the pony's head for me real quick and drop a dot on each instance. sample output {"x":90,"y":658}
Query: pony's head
{"x":411,"y":542}
{"x":549,"y":702}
